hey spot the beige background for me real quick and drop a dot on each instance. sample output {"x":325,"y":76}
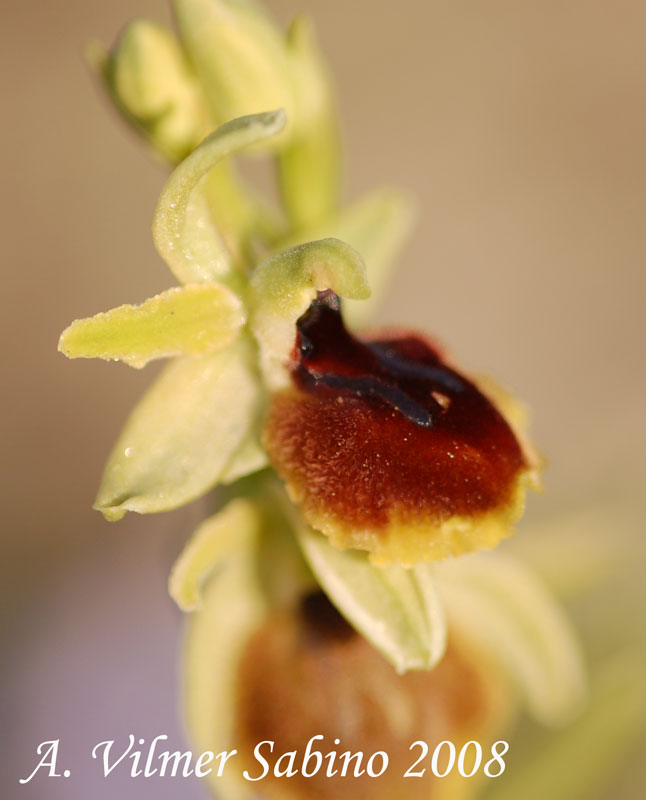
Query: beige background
{"x":519,"y":127}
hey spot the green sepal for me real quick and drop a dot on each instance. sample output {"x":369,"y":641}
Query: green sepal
{"x":186,"y":230}
{"x":283,"y":287}
{"x":181,"y":437}
{"x":396,"y":609}
{"x":193,"y":320}
{"x":505,"y":609}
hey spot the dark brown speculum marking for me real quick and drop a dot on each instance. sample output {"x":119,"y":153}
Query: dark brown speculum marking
{"x":382,"y":423}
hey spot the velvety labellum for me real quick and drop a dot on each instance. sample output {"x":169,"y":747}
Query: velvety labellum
{"x":382,"y":430}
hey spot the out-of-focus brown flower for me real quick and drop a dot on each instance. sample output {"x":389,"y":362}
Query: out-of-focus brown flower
{"x":307,"y":672}
{"x":269,"y":659}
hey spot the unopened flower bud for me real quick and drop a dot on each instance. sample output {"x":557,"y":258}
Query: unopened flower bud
{"x":154,"y":86}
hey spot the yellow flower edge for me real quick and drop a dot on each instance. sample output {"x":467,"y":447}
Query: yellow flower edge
{"x":407,"y":542}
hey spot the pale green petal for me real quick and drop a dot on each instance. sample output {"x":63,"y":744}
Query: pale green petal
{"x":376,"y":226}
{"x":193,"y":320}
{"x":240,"y":56}
{"x":578,"y":762}
{"x":283,"y":287}
{"x":398,"y":610}
{"x":184,"y":231}
{"x":183,"y":434}
{"x":504,"y":607}
{"x":219,"y":537}
{"x":232,"y":607}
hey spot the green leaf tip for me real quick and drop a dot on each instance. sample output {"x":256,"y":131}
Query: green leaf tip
{"x":193,"y":320}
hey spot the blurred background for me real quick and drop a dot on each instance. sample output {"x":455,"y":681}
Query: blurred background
{"x":518,"y":126}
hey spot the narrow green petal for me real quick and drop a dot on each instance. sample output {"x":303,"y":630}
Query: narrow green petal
{"x":397,"y":609}
{"x":578,"y":762}
{"x":376,"y":226}
{"x":183,"y":434}
{"x":184,"y":231}
{"x":505,"y":608}
{"x":284,"y":285}
{"x":193,"y":320}
{"x":216,"y":539}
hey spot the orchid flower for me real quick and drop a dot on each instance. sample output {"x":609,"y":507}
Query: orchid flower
{"x":352,"y":465}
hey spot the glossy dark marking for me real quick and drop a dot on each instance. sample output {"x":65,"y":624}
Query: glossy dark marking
{"x":329,"y":356}
{"x":367,"y":369}
{"x":382,"y":423}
